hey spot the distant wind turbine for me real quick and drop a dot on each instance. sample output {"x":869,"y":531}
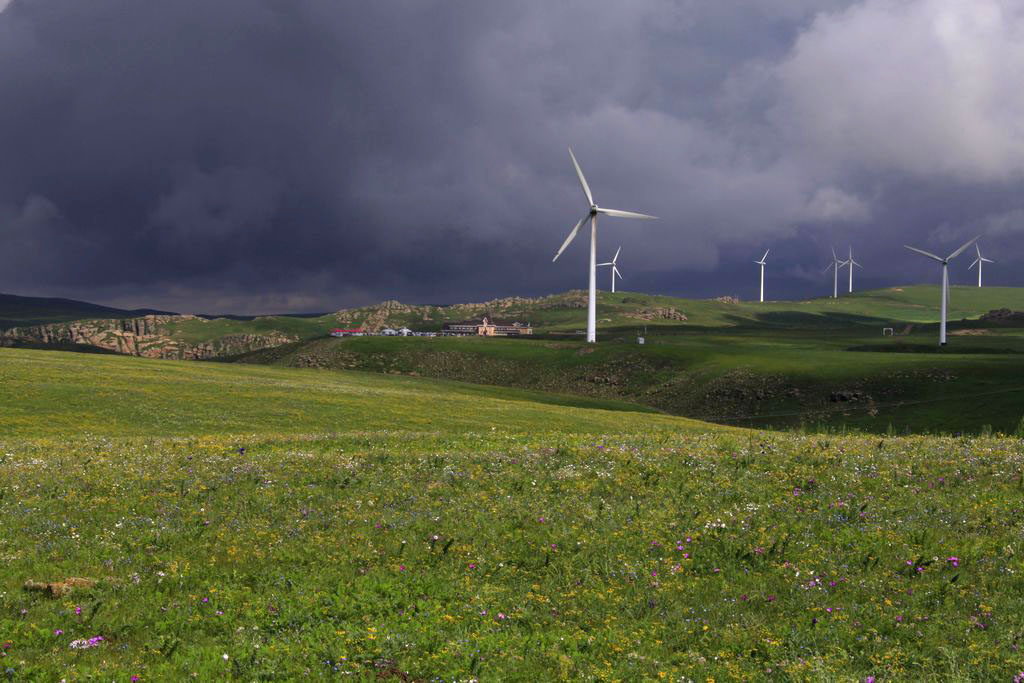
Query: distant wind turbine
{"x":945,"y":280}
{"x":835,"y":266}
{"x":615,"y":268}
{"x":592,"y":215}
{"x":761,"y":263}
{"x":978,"y":261}
{"x":852,"y":263}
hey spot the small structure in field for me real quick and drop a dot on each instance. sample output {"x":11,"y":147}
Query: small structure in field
{"x":487,"y":328}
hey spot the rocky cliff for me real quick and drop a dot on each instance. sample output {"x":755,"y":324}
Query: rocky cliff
{"x":144,"y":336}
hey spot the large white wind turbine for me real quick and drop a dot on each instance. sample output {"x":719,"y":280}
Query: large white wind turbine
{"x":835,"y":266}
{"x":615,"y":268}
{"x":978,"y":261}
{"x":850,"y":262}
{"x":945,"y":281}
{"x":761,"y":263}
{"x":592,"y":216}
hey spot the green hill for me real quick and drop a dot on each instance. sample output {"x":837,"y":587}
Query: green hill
{"x":816,"y":363}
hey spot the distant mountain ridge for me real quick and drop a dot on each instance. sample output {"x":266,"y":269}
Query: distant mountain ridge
{"x":18,"y":310}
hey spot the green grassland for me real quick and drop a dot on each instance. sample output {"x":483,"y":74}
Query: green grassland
{"x":50,"y":394}
{"x":818,"y":364}
{"x":258,"y":523}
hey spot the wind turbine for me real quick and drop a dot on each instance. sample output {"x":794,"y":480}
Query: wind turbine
{"x":978,"y":261}
{"x":615,"y":268}
{"x":835,"y":266}
{"x":852,"y":263}
{"x":592,"y":216}
{"x":761,"y":263}
{"x":945,"y":281}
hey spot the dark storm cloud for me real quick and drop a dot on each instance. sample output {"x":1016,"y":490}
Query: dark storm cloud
{"x":255,"y":155}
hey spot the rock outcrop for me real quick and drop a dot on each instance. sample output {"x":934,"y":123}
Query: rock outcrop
{"x":668,"y":313}
{"x":392,"y":313}
{"x":1003,"y":315}
{"x":144,"y":336}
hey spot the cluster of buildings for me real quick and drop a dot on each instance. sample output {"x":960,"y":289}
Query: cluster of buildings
{"x":484,"y":327}
{"x":487,"y":328}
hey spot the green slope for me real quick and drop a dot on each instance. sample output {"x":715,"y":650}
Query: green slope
{"x":50,"y":393}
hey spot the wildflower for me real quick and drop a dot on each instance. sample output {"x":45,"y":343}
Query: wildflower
{"x":953,"y":561}
{"x":899,"y":618}
{"x":83,"y":644}
{"x":135,"y":679}
{"x":225,"y":656}
{"x":78,"y":610}
{"x":58,"y":632}
{"x":771,"y":598}
{"x":869,"y":679}
{"x":501,"y":615}
{"x":401,"y":567}
{"x":472,"y":565}
{"x":206,"y":599}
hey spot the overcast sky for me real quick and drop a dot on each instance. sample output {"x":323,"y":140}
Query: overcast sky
{"x":306,"y":155}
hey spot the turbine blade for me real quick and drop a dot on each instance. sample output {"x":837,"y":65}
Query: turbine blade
{"x":626,"y":214}
{"x":856,"y":264}
{"x":583,"y":181}
{"x":765,"y":254}
{"x":926,"y":253}
{"x":961,"y":249}
{"x":616,"y":271}
{"x":987,"y":260}
{"x":616,"y":257}
{"x":973,"y":264}
{"x":829,"y":267}
{"x":834,"y":257}
{"x":570,"y":237}
{"x":605,"y":264}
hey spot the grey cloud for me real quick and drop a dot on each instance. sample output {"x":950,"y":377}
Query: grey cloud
{"x":258,"y":154}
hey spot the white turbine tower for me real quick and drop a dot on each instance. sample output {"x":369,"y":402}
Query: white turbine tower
{"x":852,"y":263}
{"x":592,"y":216}
{"x":615,"y":268}
{"x":835,"y":266}
{"x":761,"y":263}
{"x":978,"y":261}
{"x":945,"y":281}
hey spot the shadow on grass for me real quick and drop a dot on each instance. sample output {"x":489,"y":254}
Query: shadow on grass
{"x":931,"y":348}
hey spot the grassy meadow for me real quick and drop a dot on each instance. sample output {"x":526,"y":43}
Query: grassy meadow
{"x":259,"y":523}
